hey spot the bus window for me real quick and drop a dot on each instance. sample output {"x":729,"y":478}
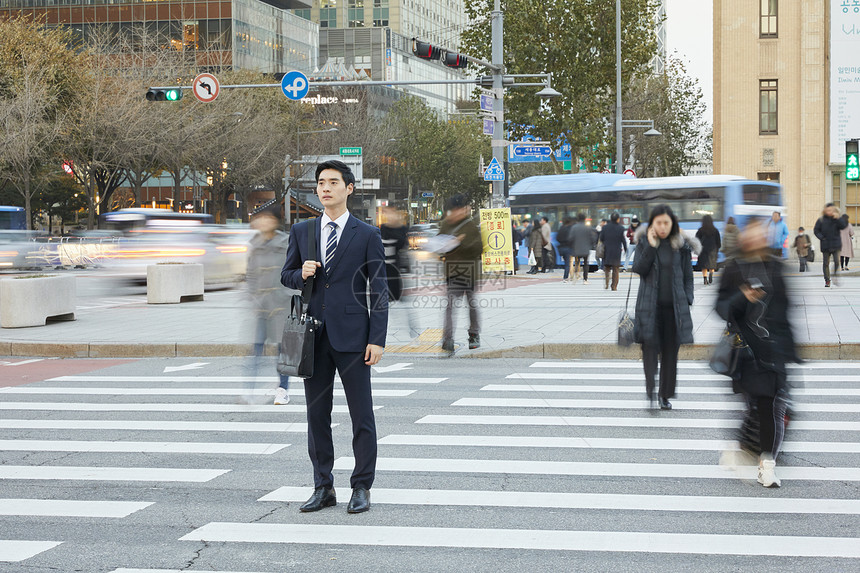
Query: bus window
{"x":755,"y":194}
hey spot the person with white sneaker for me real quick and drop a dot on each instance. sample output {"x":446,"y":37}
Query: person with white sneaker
{"x":753,"y":299}
{"x":268,"y":297}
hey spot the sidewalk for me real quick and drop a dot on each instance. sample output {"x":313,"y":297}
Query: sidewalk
{"x":532,"y":316}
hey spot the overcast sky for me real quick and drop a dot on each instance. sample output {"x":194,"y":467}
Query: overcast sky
{"x":689,"y":33}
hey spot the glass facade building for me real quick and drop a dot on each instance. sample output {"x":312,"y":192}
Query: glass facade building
{"x":263,"y":36}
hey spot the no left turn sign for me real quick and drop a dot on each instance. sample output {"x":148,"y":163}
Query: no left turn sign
{"x":206,"y":87}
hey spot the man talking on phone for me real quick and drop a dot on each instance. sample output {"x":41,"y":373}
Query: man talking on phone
{"x":350,"y":299}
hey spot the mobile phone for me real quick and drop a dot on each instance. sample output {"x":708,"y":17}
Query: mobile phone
{"x":755,"y":284}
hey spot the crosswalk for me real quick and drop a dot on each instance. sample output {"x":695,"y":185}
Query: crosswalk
{"x":473,"y":457}
{"x":169,"y":412}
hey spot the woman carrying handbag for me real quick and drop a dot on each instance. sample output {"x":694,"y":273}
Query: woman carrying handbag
{"x":662,"y":322}
{"x":753,"y":298}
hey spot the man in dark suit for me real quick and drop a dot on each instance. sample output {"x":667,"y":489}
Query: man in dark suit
{"x":350,"y":298}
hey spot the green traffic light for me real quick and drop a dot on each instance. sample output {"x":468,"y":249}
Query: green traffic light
{"x":173,"y":95}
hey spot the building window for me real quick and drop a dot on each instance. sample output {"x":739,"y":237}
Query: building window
{"x":303,"y":13}
{"x":768,"y":19}
{"x":355,"y":16}
{"x":767,"y":107}
{"x":769,"y":176}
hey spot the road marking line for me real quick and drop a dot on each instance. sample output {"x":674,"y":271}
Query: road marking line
{"x":651,"y":422}
{"x":140,"y":447}
{"x":603,"y":443}
{"x":634,"y":404}
{"x":673,"y":471}
{"x":682,"y":365}
{"x":70,"y":508}
{"x":21,"y":363}
{"x":681,"y":378}
{"x":108,"y":473}
{"x":168,"y":426}
{"x":125,"y":570}
{"x":609,"y":389}
{"x":209,"y":379}
{"x":165,"y":407}
{"x":15,"y":551}
{"x":563,"y":500}
{"x":529,"y":539}
{"x":171,"y":391}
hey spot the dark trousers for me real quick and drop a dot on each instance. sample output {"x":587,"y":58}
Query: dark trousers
{"x":547,"y":262}
{"x":666,"y":347}
{"x":582,"y":262}
{"x":565,"y":257}
{"x":802,"y":261}
{"x":613,"y":271}
{"x":456,"y":291}
{"x":826,"y":256}
{"x":355,"y":375}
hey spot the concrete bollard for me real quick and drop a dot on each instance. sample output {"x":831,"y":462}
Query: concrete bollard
{"x":33,"y":300}
{"x":172,"y":283}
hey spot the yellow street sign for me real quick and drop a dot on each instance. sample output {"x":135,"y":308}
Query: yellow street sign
{"x":498,"y":255}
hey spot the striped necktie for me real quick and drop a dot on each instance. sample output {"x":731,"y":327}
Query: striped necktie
{"x":330,"y":246}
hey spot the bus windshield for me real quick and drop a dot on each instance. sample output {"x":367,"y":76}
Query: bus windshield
{"x":12,"y":218}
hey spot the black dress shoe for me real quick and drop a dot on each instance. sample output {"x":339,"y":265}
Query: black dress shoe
{"x":360,"y":501}
{"x":322,"y":497}
{"x":665,"y":404}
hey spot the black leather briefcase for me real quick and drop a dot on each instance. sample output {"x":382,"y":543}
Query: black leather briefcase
{"x":296,"y":356}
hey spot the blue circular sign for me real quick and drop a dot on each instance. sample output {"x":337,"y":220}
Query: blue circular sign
{"x":295,"y":85}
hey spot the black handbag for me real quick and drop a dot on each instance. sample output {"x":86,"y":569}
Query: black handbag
{"x":296,"y":356}
{"x":625,"y":321}
{"x":730,"y":352}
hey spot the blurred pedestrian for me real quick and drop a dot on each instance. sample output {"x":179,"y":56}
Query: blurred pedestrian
{"x":777,"y":235}
{"x":709,"y":237}
{"x":598,"y":254}
{"x":730,"y":238}
{"x":546,"y":239}
{"x":564,"y":238}
{"x":802,"y":243}
{"x":828,"y":229}
{"x":535,"y":242}
{"x":753,"y":299}
{"x":847,"y":236}
{"x":268,"y":298}
{"x":584,"y":239}
{"x":663,"y":322}
{"x":462,"y":268}
{"x":517,"y":239}
{"x":631,"y":240}
{"x":614,"y":244}
{"x":395,"y":241}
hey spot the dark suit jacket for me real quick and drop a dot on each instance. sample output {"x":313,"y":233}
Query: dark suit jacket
{"x":352,"y":302}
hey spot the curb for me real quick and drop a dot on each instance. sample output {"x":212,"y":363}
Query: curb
{"x":549,"y":350}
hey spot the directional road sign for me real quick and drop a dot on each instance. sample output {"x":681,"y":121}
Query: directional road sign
{"x":486,"y":102}
{"x":494,"y":171}
{"x":206,"y":87}
{"x":427,"y":195}
{"x":295,"y":85}
{"x":488,"y":127}
{"x":350,"y":151}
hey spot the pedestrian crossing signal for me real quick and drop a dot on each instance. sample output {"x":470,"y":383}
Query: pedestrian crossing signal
{"x":170,"y":94}
{"x":852,"y":160}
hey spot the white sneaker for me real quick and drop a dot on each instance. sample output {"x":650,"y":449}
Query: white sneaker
{"x":585,"y":282}
{"x":281,"y":397}
{"x":766,"y":474}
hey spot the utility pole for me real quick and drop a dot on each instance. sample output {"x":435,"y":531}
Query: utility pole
{"x":499,"y":143}
{"x":619,"y":144}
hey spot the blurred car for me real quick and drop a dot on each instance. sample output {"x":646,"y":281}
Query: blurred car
{"x":222,"y":253}
{"x":20,"y":250}
{"x":418,"y":235}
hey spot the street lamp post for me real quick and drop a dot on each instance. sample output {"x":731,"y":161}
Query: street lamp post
{"x":634,"y":123}
{"x":619,"y":167}
{"x":287,"y":193}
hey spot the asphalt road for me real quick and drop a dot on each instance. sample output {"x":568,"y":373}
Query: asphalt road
{"x":484,"y":465}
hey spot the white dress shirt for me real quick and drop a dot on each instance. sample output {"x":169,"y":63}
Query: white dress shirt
{"x":326,"y":230}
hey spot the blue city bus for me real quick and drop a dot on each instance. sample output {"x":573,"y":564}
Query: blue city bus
{"x":13,"y":218}
{"x":598,"y":195}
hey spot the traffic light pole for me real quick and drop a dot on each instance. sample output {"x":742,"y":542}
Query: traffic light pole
{"x":499,"y":143}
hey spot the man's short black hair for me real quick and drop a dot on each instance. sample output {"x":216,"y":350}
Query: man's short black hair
{"x":345,"y":171}
{"x":801,"y":229}
{"x":614,"y":217}
{"x":457,"y":202}
{"x":544,"y":218}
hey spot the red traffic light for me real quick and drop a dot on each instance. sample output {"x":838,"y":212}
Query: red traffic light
{"x":453,"y":60}
{"x":425,"y":50}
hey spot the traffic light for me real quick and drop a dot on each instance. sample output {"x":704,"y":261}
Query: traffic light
{"x":852,"y":160}
{"x":425,"y":50}
{"x":453,"y":60}
{"x":169,"y":94}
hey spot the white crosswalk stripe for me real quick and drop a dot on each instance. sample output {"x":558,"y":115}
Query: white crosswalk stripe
{"x":70,"y":508}
{"x":12,"y":551}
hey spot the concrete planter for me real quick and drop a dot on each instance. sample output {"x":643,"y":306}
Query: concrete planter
{"x":170,"y":283}
{"x":32,"y":301}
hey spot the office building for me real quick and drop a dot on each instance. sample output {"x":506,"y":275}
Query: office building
{"x":784,"y":98}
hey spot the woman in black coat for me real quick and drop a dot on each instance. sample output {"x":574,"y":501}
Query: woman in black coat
{"x":709,"y":236}
{"x":753,"y":300}
{"x":662,"y":322}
